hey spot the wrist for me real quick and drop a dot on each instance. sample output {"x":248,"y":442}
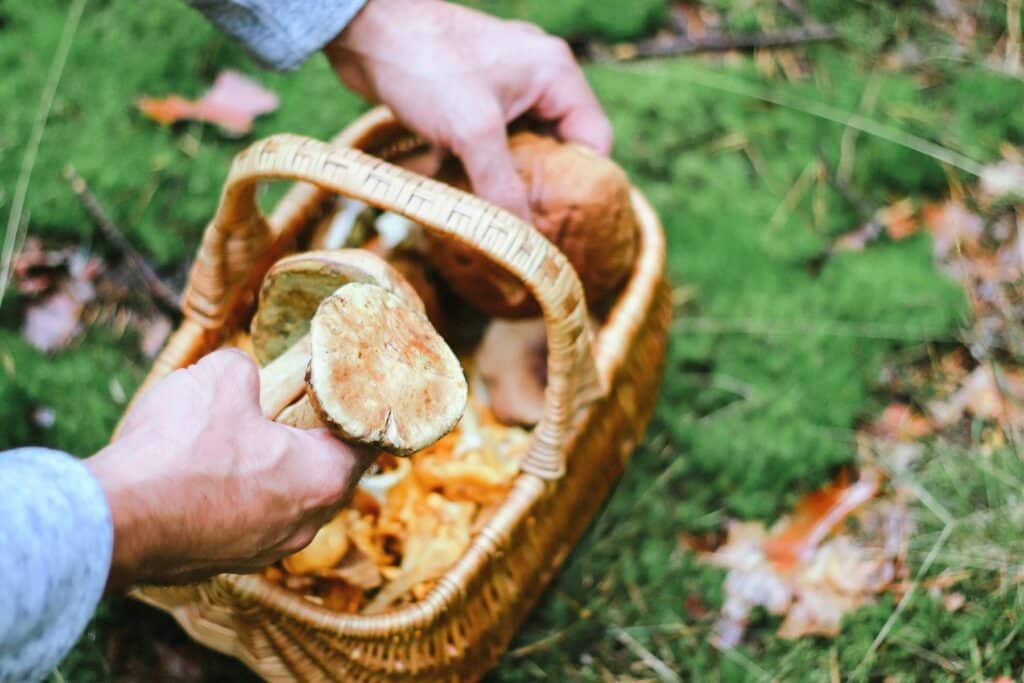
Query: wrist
{"x":110,"y":468}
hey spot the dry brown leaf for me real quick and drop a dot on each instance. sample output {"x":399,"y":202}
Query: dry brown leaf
{"x":988,"y":393}
{"x":805,"y":569}
{"x":815,"y":517}
{"x":51,"y":323}
{"x":900,"y":422}
{"x":856,"y":240}
{"x":900,"y":219}
{"x":1003,"y":178}
{"x":232,"y":103}
{"x":953,"y":227}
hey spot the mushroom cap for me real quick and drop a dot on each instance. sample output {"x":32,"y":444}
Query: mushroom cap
{"x":512,"y":360}
{"x":380,"y":375}
{"x":580,"y":202}
{"x":296,"y":284}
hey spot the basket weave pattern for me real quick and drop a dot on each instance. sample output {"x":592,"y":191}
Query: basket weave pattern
{"x":600,"y":395}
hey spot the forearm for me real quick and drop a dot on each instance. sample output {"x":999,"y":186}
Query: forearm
{"x":280,"y":34}
{"x":55,"y":548}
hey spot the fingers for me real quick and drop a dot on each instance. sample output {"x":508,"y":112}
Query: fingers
{"x":566,"y":99}
{"x":482,"y":145}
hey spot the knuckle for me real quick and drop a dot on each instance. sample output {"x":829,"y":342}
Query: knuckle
{"x":558,"y":50}
{"x":478,"y":129}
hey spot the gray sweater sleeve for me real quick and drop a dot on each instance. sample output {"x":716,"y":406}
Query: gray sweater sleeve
{"x":56,"y":539}
{"x":280,"y":34}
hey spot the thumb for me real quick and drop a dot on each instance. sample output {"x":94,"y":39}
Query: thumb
{"x":332,"y":466}
{"x":483,"y":150}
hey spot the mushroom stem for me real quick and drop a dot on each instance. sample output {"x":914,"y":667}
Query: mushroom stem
{"x":283,"y":379}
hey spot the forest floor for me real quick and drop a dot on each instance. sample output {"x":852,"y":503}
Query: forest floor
{"x":844,"y":230}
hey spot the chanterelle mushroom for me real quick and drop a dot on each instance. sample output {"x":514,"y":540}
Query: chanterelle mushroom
{"x":580,"y":201}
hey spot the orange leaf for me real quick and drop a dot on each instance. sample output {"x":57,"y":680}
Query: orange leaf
{"x":899,"y":219}
{"x":816,"y":515}
{"x":900,"y":422}
{"x":232,"y":103}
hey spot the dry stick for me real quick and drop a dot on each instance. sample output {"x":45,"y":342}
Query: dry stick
{"x":681,"y":45}
{"x":162,"y":296}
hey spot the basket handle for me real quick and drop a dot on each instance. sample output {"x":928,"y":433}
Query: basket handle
{"x":239,"y":237}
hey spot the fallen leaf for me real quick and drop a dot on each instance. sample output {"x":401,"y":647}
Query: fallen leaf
{"x":900,"y":219}
{"x":856,"y":240}
{"x":807,"y":570}
{"x":154,"y":332}
{"x":232,"y":103}
{"x":953,"y":226}
{"x":988,"y":393}
{"x":900,"y":422}
{"x":51,"y":323}
{"x":1003,"y":178}
{"x":953,"y":601}
{"x":816,"y":515}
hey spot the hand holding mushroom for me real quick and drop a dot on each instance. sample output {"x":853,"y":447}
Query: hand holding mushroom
{"x":200,"y":482}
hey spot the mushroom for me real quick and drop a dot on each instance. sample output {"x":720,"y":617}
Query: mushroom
{"x":378,"y":485}
{"x":378,"y":374}
{"x":580,"y":201}
{"x":512,"y":361}
{"x":325,"y":550}
{"x":296,"y":284}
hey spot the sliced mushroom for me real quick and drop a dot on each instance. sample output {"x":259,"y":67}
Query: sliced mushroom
{"x":580,"y":201}
{"x":295,"y":286}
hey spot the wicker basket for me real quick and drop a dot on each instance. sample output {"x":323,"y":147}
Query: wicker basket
{"x":600,"y":395}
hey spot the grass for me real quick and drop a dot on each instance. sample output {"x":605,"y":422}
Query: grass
{"x":774,"y":354}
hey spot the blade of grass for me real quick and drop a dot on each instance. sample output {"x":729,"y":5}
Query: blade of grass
{"x":28,"y":161}
{"x":829,"y":113}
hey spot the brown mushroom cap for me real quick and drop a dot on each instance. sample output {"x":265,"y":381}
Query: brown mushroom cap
{"x":296,"y":284}
{"x":380,"y":375}
{"x":512,"y":361}
{"x":580,"y":201}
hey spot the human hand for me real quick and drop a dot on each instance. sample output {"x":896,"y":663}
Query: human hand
{"x":199,"y":482}
{"x":457,"y":77}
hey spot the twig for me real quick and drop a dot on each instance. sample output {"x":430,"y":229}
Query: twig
{"x":162,"y":296}
{"x":14,"y":219}
{"x":680,"y":44}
